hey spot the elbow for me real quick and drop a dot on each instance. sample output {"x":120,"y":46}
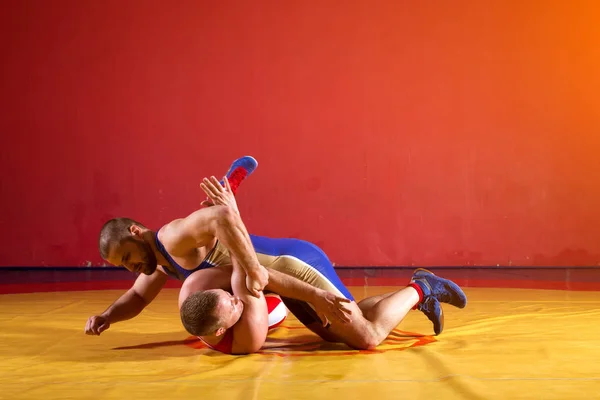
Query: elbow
{"x":142,"y":301}
{"x":226,"y":217}
{"x":248,"y":345}
{"x":245,"y":350}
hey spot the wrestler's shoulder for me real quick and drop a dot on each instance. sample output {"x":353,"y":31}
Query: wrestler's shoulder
{"x":172,"y":233}
{"x":181,"y":226}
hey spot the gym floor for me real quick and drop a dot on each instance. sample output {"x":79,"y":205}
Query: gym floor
{"x":525,"y":334}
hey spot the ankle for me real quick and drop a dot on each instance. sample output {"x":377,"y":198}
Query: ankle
{"x":419,"y":291}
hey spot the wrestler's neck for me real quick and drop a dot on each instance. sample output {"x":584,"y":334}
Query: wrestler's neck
{"x":213,"y":339}
{"x":150,"y":238}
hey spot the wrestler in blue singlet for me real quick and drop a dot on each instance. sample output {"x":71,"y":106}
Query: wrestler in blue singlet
{"x":298,"y":258}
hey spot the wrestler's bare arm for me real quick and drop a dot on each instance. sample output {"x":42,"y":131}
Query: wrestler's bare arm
{"x":250,"y":332}
{"x":200,"y":228}
{"x":130,"y":304}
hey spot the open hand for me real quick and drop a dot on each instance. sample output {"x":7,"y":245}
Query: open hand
{"x":217,"y":194}
{"x":330,"y":308}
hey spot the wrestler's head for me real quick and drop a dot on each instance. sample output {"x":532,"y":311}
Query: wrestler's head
{"x":124,"y":241}
{"x":210,"y":312}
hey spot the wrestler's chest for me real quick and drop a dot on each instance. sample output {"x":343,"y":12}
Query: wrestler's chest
{"x":192,"y":260}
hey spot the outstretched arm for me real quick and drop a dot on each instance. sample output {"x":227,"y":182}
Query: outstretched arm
{"x":130,"y":304}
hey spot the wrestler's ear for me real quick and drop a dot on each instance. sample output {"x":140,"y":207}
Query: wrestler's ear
{"x":220,"y":331}
{"x":135,"y":230}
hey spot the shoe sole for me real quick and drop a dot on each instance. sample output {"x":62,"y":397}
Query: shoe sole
{"x":441,"y":319}
{"x":249,"y":172}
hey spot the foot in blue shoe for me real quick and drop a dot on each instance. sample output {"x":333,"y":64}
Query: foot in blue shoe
{"x":249,"y":163}
{"x":240,"y":169}
{"x":433,"y":310}
{"x":444,"y":290}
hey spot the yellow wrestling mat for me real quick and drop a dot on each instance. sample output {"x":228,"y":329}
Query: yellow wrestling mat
{"x":507,"y":344}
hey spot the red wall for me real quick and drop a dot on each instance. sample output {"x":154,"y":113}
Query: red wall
{"x":389,"y":133}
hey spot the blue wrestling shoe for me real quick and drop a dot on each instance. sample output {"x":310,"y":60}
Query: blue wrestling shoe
{"x":240,"y":169}
{"x":444,"y":290}
{"x":433,"y":310}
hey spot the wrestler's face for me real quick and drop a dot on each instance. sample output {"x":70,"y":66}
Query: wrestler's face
{"x":134,"y":254}
{"x":229,"y":309}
